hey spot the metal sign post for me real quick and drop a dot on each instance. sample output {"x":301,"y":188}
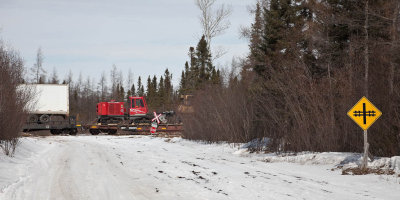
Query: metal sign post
{"x":364,"y":113}
{"x":153,"y":128}
{"x":364,"y":164}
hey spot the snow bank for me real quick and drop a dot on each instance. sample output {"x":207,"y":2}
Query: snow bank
{"x":313,"y":158}
{"x":337,"y":159}
{"x":28,"y":151}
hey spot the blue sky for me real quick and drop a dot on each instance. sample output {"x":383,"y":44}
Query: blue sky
{"x":89,"y":36}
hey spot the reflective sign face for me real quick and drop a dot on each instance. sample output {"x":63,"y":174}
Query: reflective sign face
{"x":364,"y":113}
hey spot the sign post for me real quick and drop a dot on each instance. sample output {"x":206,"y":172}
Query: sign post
{"x":155,"y":122}
{"x":153,"y":128}
{"x":364,"y":113}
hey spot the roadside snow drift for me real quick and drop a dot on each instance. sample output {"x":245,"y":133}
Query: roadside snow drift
{"x":143,"y":167}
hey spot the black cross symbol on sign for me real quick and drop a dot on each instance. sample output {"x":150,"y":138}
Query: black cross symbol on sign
{"x":364,"y":114}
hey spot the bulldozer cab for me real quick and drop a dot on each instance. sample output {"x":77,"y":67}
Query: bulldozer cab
{"x":138,"y":106}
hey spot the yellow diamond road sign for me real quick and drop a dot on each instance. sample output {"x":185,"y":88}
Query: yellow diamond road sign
{"x":364,"y":113}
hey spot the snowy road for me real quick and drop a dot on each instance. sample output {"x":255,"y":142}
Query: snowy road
{"x":142,"y":167}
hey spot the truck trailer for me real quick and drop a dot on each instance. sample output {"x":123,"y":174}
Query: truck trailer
{"x":49,"y":109}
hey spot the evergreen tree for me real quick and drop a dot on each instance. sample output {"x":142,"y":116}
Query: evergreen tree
{"x":216,"y":77}
{"x":204,"y":64}
{"x":256,"y":56}
{"x":153,"y":93}
{"x":186,"y":75}
{"x":199,"y":72}
{"x":140,"y":89}
{"x":121,"y":93}
{"x":42,"y":79}
{"x":168,"y":93}
{"x":193,"y":73}
{"x":133,"y":90}
{"x":128,"y":94}
{"x":280,"y":22}
{"x":54,"y":77}
{"x":182,"y":84}
{"x":148,"y":91}
{"x":161,"y":93}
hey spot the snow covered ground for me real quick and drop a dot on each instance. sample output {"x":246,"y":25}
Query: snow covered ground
{"x":144,"y":167}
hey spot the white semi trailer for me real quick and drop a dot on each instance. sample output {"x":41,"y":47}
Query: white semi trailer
{"x":49,"y":108}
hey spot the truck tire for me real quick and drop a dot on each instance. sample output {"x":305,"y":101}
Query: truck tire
{"x":112,"y":131}
{"x":73,"y":131}
{"x":55,"y":131}
{"x":44,"y":118}
{"x":94,"y":131}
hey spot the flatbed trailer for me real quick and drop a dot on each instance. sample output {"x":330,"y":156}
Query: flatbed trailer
{"x":142,"y":129}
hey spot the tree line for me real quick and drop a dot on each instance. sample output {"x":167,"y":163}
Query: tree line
{"x":309,"y":63}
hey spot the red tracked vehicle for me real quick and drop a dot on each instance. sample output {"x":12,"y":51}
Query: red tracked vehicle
{"x":130,"y":116}
{"x":115,"y":112}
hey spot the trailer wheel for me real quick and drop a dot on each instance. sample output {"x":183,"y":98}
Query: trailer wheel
{"x":55,"y":131}
{"x":73,"y":131}
{"x":44,"y":118}
{"x":94,"y":131}
{"x":112,"y":131}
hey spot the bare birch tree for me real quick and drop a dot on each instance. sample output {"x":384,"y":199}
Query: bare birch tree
{"x":37,"y":68}
{"x":213,"y":21}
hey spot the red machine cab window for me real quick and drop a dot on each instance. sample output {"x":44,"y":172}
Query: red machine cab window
{"x":137,"y":103}
{"x":138,"y":106}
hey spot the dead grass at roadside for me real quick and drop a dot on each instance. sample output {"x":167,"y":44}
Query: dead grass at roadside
{"x":359,"y":171}
{"x":36,"y":134}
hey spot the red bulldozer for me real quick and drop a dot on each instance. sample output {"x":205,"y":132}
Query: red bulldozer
{"x":115,"y":112}
{"x":112,"y":116}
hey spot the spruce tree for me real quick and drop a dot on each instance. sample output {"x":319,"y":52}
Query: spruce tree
{"x":193,"y":75}
{"x":128,"y":94}
{"x":155,"y":100}
{"x":121,"y":93}
{"x":168,"y":88}
{"x":216,"y":78}
{"x":281,"y":24}
{"x":149,"y":96}
{"x":182,"y":84}
{"x":161,"y":93}
{"x":256,"y":56}
{"x":203,"y":61}
{"x":140,"y":92}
